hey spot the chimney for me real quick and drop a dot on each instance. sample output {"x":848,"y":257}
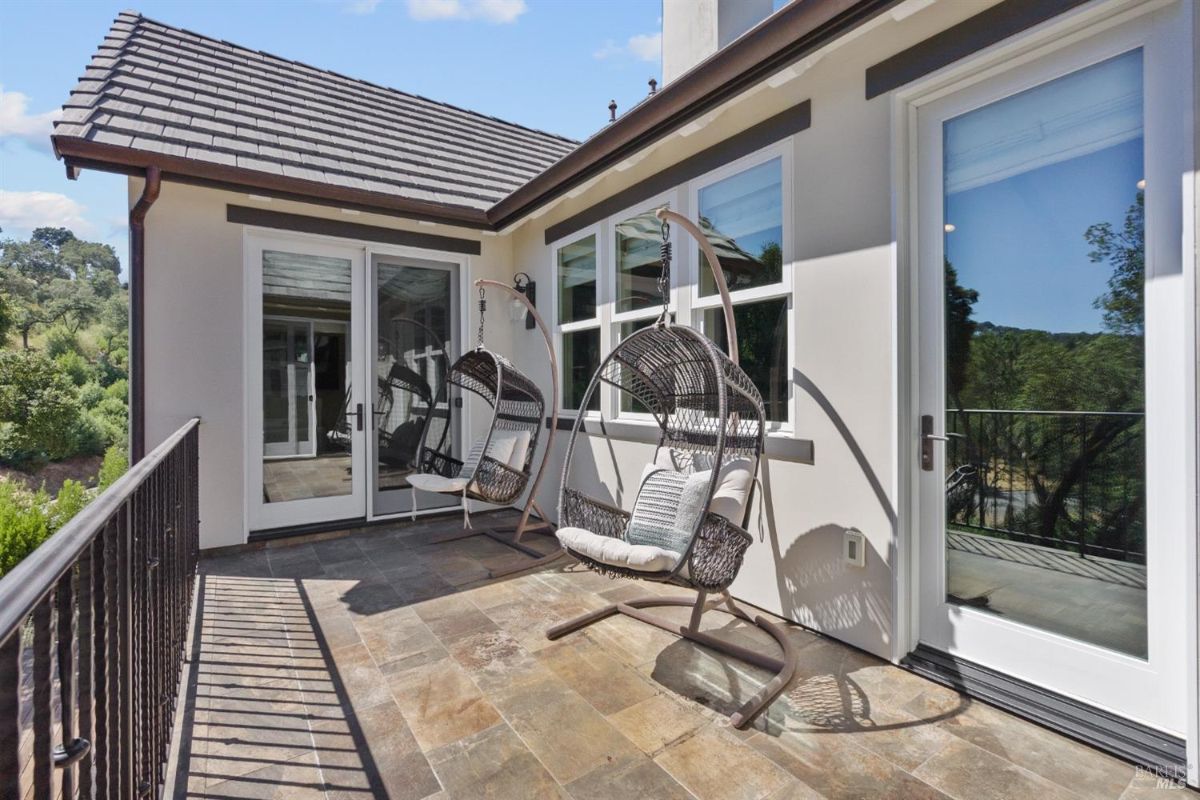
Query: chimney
{"x":695,"y":29}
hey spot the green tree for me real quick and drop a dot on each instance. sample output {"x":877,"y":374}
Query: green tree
{"x":39,"y":412}
{"x":1124,"y":302}
{"x":55,"y":278}
{"x":960,"y":329}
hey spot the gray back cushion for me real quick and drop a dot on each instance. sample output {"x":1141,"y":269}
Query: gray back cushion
{"x":667,"y":507}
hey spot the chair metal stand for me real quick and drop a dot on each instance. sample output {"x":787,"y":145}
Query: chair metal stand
{"x":784,"y":668}
{"x":518,"y":531}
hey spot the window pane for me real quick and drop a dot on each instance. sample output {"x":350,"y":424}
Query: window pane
{"x":580,"y":359}
{"x":742,"y":217}
{"x":577,"y":280}
{"x":762,"y":349}
{"x":628,"y":402}
{"x":639,"y":240}
{"x":1045,"y":504}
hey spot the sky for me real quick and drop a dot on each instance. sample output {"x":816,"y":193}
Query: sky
{"x":1019,"y":242}
{"x":548,"y":64}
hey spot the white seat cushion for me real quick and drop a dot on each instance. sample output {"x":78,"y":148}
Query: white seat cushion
{"x":615,"y":552}
{"x":437,"y":483}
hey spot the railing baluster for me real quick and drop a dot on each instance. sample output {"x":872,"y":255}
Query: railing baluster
{"x":43,"y":710}
{"x":87,"y":689}
{"x":102,"y":616}
{"x":10,"y":715}
{"x":68,"y":748}
{"x":126,"y":667}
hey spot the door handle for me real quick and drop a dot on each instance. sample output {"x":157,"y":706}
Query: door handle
{"x":928,"y":437}
{"x":357,"y":413}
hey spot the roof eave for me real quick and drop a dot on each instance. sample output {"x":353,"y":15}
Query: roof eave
{"x":85,"y":154}
{"x":783,"y":38}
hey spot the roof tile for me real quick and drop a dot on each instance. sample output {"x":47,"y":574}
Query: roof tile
{"x":161,"y":89}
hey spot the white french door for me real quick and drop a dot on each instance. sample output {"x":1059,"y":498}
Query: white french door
{"x":306,"y":332}
{"x":1052,"y":413}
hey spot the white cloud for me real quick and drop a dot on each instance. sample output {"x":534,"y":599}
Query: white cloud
{"x":646,"y":46}
{"x":21,"y":212}
{"x":17,"y":123}
{"x":642,"y":46}
{"x":497,"y":11}
{"x":360,"y":7}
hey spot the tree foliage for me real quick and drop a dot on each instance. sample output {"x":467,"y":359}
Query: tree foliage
{"x":1056,"y":457}
{"x":55,"y":278}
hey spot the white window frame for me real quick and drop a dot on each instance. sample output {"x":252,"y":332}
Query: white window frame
{"x":784,"y":151}
{"x":685,"y":304}
{"x":610,"y":402}
{"x":595,"y":323}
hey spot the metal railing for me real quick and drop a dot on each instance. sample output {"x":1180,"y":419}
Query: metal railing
{"x":1070,"y":480}
{"x":92,"y":631}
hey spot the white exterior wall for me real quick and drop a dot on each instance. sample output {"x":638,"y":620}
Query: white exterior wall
{"x":195,"y":330}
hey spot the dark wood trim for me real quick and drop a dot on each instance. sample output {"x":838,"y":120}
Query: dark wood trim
{"x":81,"y":153}
{"x":1101,"y":729}
{"x":265,"y":218}
{"x":785,"y":37}
{"x":969,"y":36}
{"x":764,"y":134}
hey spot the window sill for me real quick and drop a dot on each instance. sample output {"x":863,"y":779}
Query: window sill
{"x":781,"y":445}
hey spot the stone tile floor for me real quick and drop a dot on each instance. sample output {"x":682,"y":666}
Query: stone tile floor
{"x":376,"y":665}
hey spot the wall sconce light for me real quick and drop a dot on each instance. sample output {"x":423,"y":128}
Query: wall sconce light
{"x":528,"y":287}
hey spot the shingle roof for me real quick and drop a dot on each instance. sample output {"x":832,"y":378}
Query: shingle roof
{"x":163,"y":90}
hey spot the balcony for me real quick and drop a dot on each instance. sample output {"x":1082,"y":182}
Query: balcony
{"x":371,"y":663}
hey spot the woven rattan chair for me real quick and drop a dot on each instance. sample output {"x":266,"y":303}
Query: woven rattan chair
{"x":518,"y":413}
{"x":710,"y":416}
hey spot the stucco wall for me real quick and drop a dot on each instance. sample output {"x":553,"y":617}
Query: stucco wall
{"x":195,"y":331}
{"x":844,"y":341}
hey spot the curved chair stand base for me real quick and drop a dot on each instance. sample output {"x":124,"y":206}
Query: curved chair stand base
{"x":784,"y":668}
{"x":518,"y":532}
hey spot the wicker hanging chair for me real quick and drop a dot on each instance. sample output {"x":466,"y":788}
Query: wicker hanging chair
{"x":711,"y":426}
{"x":517,"y":407}
{"x":500,"y":465}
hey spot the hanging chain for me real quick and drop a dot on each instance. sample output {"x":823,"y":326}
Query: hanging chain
{"x":482,"y":309}
{"x":664,"y":278}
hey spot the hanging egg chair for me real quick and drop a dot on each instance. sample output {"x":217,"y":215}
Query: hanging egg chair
{"x":688,"y":522}
{"x":499,"y":466}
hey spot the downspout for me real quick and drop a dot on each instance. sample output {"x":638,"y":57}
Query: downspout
{"x":137,"y":314}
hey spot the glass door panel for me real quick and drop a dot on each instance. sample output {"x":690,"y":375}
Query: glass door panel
{"x":1045,"y":467}
{"x":309,"y":431}
{"x":415,"y":341}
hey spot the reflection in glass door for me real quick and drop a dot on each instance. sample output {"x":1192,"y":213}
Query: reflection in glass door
{"x":1033,"y":521}
{"x":287,"y":389}
{"x":415,"y":341}
{"x":306,"y":416}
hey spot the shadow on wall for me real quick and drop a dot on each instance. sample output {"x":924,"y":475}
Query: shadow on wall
{"x":816,"y":587}
{"x":584,"y":474}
